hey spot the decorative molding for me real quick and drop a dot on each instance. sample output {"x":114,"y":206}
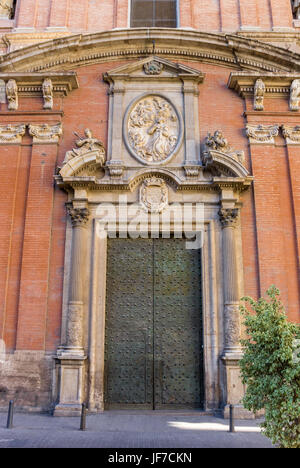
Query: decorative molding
{"x":48,"y":93}
{"x":86,"y":145}
{"x":262,"y":134}
{"x":11,"y":134}
{"x":259,"y":92}
{"x":229,"y":217}
{"x":45,"y":133}
{"x":12,"y":94}
{"x":291,"y":134}
{"x":79,"y":216}
{"x":231,"y":50}
{"x":295,"y":95}
{"x":154,"y":194}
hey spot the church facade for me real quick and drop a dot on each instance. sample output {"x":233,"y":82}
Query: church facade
{"x":150,"y":159}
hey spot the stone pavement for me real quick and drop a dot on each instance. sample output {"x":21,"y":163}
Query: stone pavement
{"x":130,"y":429}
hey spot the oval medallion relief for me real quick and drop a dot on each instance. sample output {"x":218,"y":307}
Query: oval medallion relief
{"x":152,"y":130}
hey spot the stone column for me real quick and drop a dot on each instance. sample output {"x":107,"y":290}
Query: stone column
{"x":229,"y":218}
{"x":233,"y":387}
{"x":71,"y":357}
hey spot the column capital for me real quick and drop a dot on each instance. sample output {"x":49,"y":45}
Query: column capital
{"x":11,"y":134}
{"x":262,"y":134}
{"x":291,"y":134}
{"x":45,"y":133}
{"x":79,"y":216}
{"x":229,"y":217}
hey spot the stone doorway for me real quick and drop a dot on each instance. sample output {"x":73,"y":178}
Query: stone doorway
{"x":153,"y":335}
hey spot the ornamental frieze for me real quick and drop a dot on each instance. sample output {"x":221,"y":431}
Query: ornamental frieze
{"x":152,"y":130}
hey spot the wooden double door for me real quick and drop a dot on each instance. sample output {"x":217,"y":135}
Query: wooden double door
{"x":153,"y":343}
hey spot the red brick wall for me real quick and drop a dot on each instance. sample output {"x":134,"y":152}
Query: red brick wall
{"x":33,"y":221}
{"x":206,"y":15}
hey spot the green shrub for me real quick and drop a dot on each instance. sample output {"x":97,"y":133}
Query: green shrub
{"x":270,"y":368}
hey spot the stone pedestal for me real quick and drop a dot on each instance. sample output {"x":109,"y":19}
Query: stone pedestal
{"x":71,"y":356}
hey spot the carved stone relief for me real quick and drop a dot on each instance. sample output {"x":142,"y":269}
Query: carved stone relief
{"x":87,"y":145}
{"x":152,"y":130}
{"x":153,"y":68}
{"x":218,"y":142}
{"x":154,"y":194}
{"x":229,"y":217}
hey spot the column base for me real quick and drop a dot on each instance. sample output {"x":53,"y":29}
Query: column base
{"x":239,"y":412}
{"x":64,"y":410}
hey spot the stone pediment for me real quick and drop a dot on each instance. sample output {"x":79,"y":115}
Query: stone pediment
{"x":156,"y":68}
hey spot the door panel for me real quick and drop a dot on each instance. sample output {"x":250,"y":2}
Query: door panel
{"x":153,"y":349}
{"x":177,"y":325}
{"x":129,"y":323}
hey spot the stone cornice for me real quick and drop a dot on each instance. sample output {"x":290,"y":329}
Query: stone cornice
{"x":230,"y":50}
{"x":31,"y":84}
{"x":276,"y":84}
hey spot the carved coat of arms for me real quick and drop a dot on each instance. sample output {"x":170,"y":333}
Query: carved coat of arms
{"x":154,"y":194}
{"x":153,"y":129}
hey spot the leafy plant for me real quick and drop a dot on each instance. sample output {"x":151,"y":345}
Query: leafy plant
{"x":270,"y":368}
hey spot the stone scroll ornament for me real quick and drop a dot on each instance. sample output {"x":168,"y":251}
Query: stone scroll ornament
{"x":86,"y":145}
{"x":153,"y":130}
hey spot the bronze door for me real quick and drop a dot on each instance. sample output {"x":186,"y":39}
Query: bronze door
{"x":153,"y":344}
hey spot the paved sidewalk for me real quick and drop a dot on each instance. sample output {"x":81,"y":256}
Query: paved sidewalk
{"x":130,"y":429}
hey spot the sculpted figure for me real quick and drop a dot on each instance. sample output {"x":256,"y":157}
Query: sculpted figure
{"x":296,"y":8}
{"x":6,"y":8}
{"x":86,"y":145}
{"x":295,"y":95}
{"x":218,"y":142}
{"x":48,"y":94}
{"x":259,"y":92}
{"x":12,"y":94}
